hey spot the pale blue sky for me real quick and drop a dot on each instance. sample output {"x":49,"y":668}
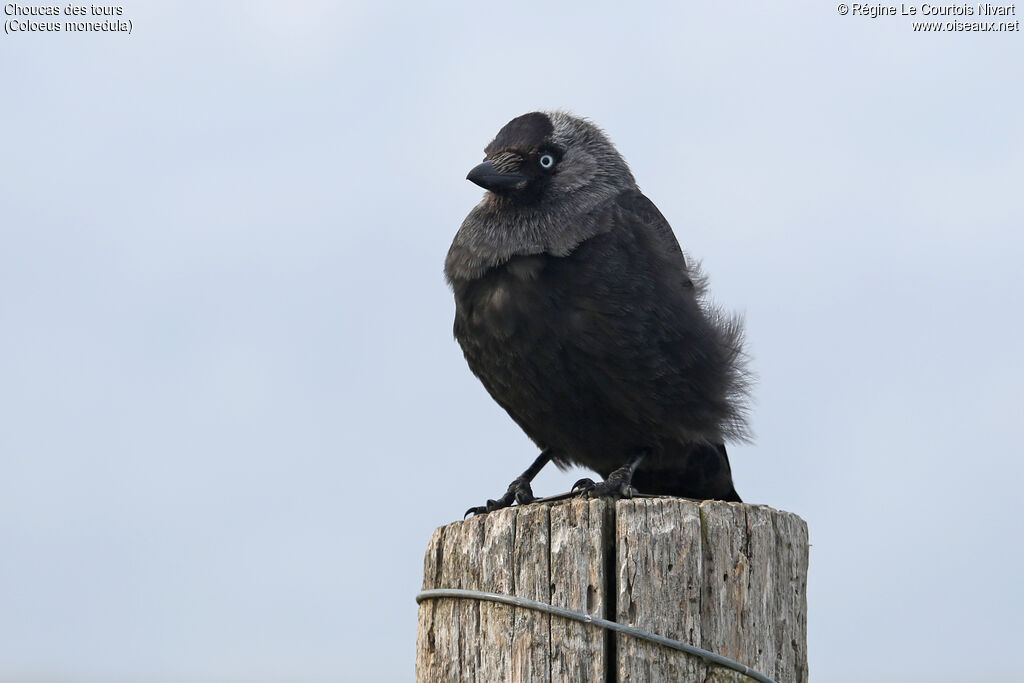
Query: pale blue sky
{"x":232,"y":408}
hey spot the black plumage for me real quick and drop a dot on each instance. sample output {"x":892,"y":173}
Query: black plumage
{"x":576,"y":309}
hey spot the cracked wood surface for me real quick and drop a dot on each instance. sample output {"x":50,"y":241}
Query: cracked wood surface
{"x":728,"y":577}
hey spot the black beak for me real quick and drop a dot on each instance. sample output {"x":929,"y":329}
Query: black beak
{"x":490,"y":178}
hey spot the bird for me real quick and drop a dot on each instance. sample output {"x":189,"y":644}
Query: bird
{"x":577,"y":310}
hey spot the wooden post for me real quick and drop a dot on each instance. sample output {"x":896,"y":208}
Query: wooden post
{"x":727,"y":577}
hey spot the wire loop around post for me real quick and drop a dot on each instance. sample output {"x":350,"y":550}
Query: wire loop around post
{"x":708,"y":657}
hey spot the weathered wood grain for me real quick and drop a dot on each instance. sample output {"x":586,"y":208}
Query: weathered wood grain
{"x":496,"y":575}
{"x":743,"y":595}
{"x":531,"y":631}
{"x":658,"y":569}
{"x":553,"y":554}
{"x":581,"y":557}
{"x":728,"y":577}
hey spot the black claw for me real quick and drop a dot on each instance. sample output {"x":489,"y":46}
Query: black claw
{"x":524,"y":496}
{"x":519,"y":491}
{"x":584,"y":485}
{"x":617,"y":485}
{"x":609,"y":489}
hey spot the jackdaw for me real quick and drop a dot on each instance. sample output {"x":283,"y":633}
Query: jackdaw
{"x":576,"y":309}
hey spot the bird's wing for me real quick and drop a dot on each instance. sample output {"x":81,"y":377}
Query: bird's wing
{"x":635,"y":331}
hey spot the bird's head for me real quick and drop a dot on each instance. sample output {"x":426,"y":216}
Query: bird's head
{"x":545,"y":157}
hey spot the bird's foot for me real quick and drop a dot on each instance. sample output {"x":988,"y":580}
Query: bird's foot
{"x":519,"y":491}
{"x":617,"y":485}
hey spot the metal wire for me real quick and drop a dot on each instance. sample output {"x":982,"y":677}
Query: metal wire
{"x":708,"y":657}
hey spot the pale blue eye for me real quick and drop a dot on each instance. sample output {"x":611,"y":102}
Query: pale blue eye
{"x":547,"y":161}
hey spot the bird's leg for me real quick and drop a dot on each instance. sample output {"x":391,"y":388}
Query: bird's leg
{"x":619,"y":483}
{"x":519,"y":490}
